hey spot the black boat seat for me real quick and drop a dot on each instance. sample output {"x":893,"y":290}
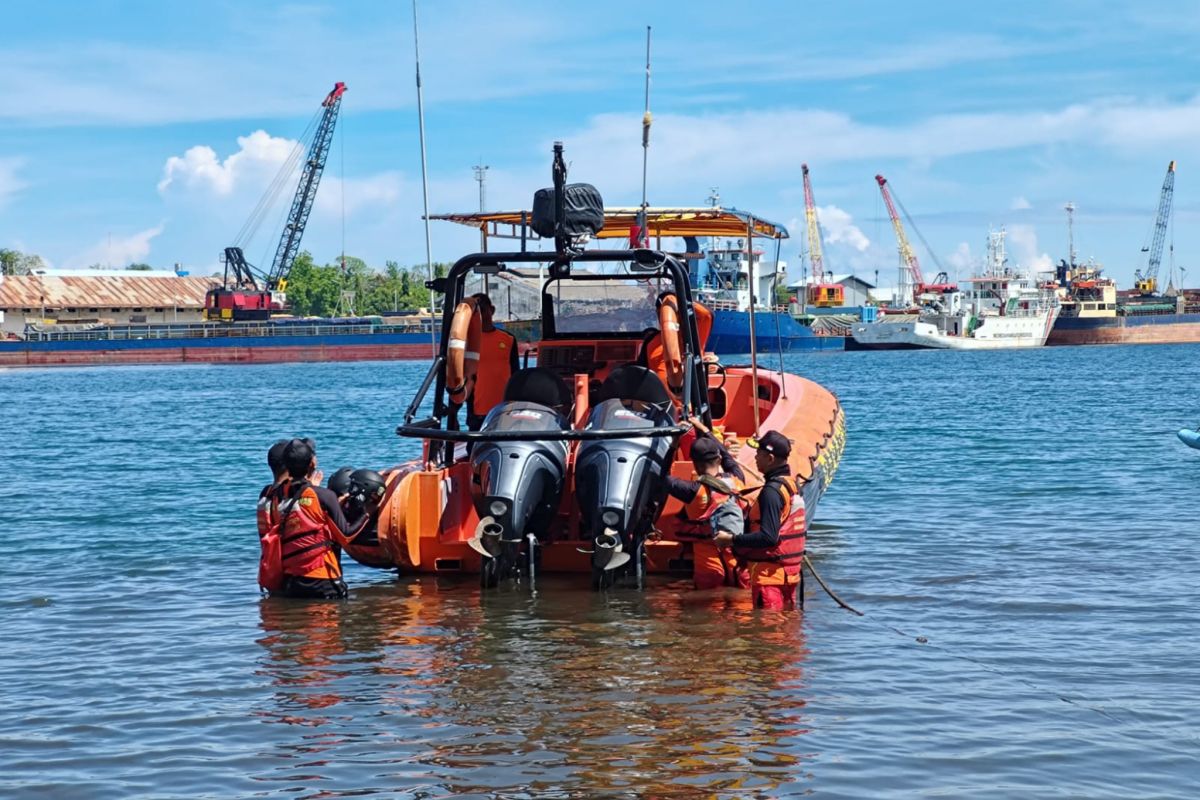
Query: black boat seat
{"x":634,"y":382}
{"x":539,"y":385}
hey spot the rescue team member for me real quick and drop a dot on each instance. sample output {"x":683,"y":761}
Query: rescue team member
{"x":312,"y":529}
{"x":271,"y":494}
{"x":708,"y":512}
{"x":775,"y":550}
{"x":497,"y":362}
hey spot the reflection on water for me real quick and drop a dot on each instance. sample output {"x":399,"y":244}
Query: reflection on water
{"x":1032,"y":515}
{"x":567,"y":691}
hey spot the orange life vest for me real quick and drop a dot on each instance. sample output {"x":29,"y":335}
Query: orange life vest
{"x":695,"y":515}
{"x":494,"y":369}
{"x":789,"y":550}
{"x":307,"y":535}
{"x":270,"y":559}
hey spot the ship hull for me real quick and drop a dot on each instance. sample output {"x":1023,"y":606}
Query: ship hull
{"x":231,"y":350}
{"x":995,"y":333}
{"x":774,"y":332}
{"x":1148,"y":329}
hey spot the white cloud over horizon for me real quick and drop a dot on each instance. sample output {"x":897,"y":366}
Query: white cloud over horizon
{"x":10,"y":182}
{"x":117,"y":252}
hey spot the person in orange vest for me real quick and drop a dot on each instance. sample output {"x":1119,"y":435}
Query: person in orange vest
{"x":313,"y":528}
{"x":271,"y":494}
{"x":774,"y":547}
{"x":497,"y":362}
{"x":709,"y":511}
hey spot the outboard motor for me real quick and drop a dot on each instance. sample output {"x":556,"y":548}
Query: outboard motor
{"x":517,"y":484}
{"x":620,"y":484}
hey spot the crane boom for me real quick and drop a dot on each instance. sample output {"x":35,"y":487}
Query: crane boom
{"x":306,"y":191}
{"x":246,"y":298}
{"x":815,"y":256}
{"x":819,"y":293}
{"x":1147,"y":283}
{"x":906,"y":251}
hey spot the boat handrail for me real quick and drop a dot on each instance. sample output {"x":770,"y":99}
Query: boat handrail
{"x":419,"y":430}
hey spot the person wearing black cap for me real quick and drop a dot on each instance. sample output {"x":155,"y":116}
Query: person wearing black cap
{"x":710,"y":506}
{"x":271,"y":494}
{"x":313,"y":528}
{"x":774,"y":547}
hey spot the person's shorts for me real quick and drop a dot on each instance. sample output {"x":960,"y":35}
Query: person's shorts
{"x":315,"y":588}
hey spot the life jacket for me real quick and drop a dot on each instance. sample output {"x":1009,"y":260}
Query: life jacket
{"x":306,"y":533}
{"x":789,"y":550}
{"x":695,"y":516}
{"x":270,"y":559}
{"x":494,"y":370}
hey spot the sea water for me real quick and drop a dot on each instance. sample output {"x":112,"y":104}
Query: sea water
{"x":1018,"y":527}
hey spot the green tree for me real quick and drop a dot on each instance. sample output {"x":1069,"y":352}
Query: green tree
{"x":14,"y":262}
{"x":140,"y":267}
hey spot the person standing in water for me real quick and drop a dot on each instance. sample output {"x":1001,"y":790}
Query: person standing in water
{"x":313,"y":528}
{"x":710,"y":507}
{"x":774,"y":546}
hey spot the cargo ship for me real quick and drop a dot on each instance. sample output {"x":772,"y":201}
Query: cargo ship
{"x":273,"y":341}
{"x":1095,"y":312}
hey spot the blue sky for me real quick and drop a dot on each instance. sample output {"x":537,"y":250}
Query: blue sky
{"x":147,"y":130}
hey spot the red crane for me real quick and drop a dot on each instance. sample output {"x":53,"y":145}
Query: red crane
{"x":941,"y":283}
{"x":252,"y":295}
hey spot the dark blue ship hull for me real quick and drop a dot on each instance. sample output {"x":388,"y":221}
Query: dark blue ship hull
{"x":774,"y":331}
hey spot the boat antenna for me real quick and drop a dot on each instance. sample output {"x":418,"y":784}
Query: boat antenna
{"x":753,"y":338}
{"x":1070,"y":208}
{"x":646,"y":120}
{"x":424,"y":186}
{"x":776,"y":314}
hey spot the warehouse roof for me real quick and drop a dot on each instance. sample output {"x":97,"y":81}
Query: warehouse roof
{"x":36,"y":291}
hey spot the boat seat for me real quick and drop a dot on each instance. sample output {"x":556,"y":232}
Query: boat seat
{"x":634,"y":382}
{"x":539,"y":385}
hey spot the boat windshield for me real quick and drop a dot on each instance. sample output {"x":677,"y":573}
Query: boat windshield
{"x":604,"y":305}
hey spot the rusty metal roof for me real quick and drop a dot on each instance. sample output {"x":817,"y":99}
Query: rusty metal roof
{"x":36,"y":291}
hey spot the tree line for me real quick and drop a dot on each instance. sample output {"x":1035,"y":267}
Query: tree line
{"x":313,"y":290}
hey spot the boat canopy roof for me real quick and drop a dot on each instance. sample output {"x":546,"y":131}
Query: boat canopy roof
{"x":711,"y":221}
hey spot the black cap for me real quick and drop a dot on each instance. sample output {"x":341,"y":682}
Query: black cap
{"x":705,"y":449}
{"x":772,"y":442}
{"x":275,"y":456}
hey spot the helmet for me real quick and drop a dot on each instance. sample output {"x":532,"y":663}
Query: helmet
{"x":367,"y":482}
{"x":339,"y":482}
{"x":367,"y":485}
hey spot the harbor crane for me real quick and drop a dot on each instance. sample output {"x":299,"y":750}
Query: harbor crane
{"x":250,"y":294}
{"x":819,"y":293}
{"x":1146,"y":283}
{"x":941,"y":284}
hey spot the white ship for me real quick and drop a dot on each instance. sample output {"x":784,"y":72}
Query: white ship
{"x":1005,"y":308}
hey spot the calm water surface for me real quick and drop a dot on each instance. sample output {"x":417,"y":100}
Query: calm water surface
{"x":1031,"y":515}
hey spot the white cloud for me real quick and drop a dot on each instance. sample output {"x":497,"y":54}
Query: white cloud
{"x":1020,"y":204}
{"x":754,"y":143}
{"x":258,"y":155}
{"x":116,"y":251}
{"x":10,"y":184}
{"x":1023,"y":242}
{"x":961,"y":260}
{"x":839,"y":228}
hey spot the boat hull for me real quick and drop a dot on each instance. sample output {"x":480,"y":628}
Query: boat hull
{"x":994,"y":333}
{"x":227,"y":350}
{"x":428,"y":516}
{"x":1137,"y":329}
{"x":774,"y":331}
